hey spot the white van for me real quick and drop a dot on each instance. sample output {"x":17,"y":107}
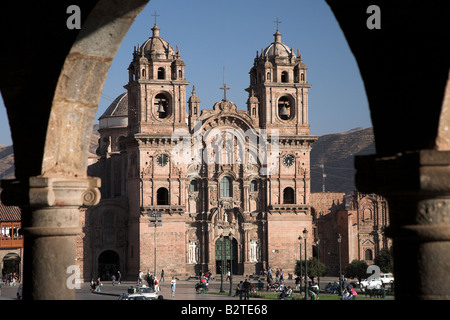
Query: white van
{"x":387,"y":278}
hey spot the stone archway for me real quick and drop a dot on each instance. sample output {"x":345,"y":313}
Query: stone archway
{"x":108,"y":264}
{"x":11,"y":265}
{"x":58,"y":111}
{"x":226,"y":255}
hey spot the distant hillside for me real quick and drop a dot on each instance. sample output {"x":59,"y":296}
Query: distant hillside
{"x":7,"y":155}
{"x":6,"y":162}
{"x":336,"y":152}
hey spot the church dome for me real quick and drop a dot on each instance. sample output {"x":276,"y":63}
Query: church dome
{"x":278,"y":48}
{"x":116,"y":115}
{"x":157,"y":46}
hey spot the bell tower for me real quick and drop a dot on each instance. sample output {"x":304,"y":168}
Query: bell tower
{"x":156,"y":87}
{"x":278,"y":82}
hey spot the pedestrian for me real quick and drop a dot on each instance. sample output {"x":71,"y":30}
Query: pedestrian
{"x":113,"y":279}
{"x":140,"y":277}
{"x":173,"y":285}
{"x":162,"y":275}
{"x":240,"y":289}
{"x":228,"y":275}
{"x":119,"y":277}
{"x":246,"y":290}
{"x":156,"y":284}
{"x":97,"y":285}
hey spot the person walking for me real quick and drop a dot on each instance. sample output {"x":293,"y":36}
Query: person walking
{"x":119,"y":277}
{"x":113,"y":279}
{"x":173,"y":284}
{"x":162,"y":275}
{"x":97,"y":285}
{"x":246,"y":290}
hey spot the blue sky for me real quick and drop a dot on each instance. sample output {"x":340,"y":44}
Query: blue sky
{"x":212,"y":35}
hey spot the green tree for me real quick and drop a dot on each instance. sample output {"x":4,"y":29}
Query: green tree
{"x":315,"y":268}
{"x":357,"y":269}
{"x":385,"y":260}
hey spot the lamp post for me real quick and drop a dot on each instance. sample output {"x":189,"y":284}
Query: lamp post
{"x":305,"y":233}
{"x":318,"y":258}
{"x":231,"y":263}
{"x":221,"y":264}
{"x":155,"y":221}
{"x":340,"y":266}
{"x":301,"y":276}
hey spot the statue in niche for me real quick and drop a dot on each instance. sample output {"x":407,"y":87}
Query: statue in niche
{"x":193,"y":252}
{"x":254,"y":251}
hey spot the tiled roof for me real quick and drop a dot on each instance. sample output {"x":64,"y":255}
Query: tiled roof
{"x":9,"y":213}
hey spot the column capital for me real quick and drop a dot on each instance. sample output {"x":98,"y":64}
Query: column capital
{"x":42,"y":191}
{"x":416,"y":172}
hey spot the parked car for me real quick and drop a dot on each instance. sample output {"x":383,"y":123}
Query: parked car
{"x":133,"y":296}
{"x":137,"y":291}
{"x":371,"y":284}
{"x":387,"y":278}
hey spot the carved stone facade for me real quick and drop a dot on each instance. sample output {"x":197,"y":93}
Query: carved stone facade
{"x":220,"y":174}
{"x":360,"y":219}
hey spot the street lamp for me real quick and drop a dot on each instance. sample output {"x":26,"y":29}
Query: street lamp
{"x":230,"y":236}
{"x":318,"y":258}
{"x":305,"y":233}
{"x":340,"y":266}
{"x":301,"y":276}
{"x":155,"y":219}
{"x":221,"y":264}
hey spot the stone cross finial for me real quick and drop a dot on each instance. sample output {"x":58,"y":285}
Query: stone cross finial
{"x":224,"y":88}
{"x":277,"y":22}
{"x":155,"y":15}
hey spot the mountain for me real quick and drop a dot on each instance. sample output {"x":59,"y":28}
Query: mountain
{"x":336,"y":153}
{"x":7,"y":155}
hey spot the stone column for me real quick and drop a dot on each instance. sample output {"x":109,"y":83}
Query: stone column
{"x":50,"y":225}
{"x":417,"y":188}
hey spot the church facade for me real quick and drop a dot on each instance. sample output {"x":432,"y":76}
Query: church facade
{"x":228,"y":186}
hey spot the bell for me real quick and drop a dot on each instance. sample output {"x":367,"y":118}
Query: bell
{"x":284,"y":111}
{"x":161,"y":108}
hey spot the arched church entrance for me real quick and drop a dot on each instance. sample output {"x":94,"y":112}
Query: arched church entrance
{"x":108,"y":264}
{"x":226,"y":255}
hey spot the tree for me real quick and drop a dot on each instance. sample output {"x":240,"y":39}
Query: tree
{"x":315,"y":268}
{"x":385,"y":260}
{"x":357,"y":269}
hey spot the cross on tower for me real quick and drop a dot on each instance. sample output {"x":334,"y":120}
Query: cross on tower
{"x":224,"y":88}
{"x":155,"y":15}
{"x":277,"y":22}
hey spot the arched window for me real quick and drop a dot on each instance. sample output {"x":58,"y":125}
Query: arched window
{"x":161,"y":73}
{"x":180,"y":74}
{"x":288,"y":195}
{"x":254,"y":185}
{"x":162,"y":109}
{"x":193,"y":186}
{"x":162,"y":196}
{"x":268,"y":76}
{"x":284,"y":108}
{"x":143,"y":73}
{"x":368,"y":254}
{"x":302,"y":77}
{"x":284,"y":76}
{"x":226,"y":190}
